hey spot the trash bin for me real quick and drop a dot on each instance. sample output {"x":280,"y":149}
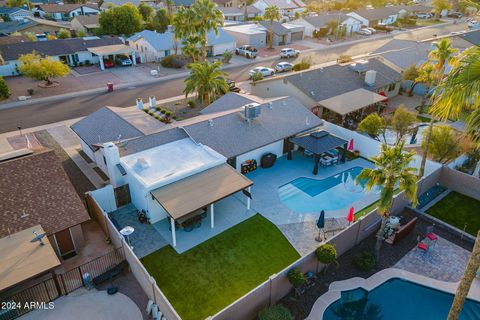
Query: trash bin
{"x":268,"y":160}
{"x":109,"y":86}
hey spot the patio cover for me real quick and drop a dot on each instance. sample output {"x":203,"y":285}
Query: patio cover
{"x":200,"y":190}
{"x":111,"y":50}
{"x":319,"y":142}
{"x":22,"y":259}
{"x":351,"y":101}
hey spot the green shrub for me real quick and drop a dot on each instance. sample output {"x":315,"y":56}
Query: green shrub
{"x":30,"y":91}
{"x":326,"y":253}
{"x":172,"y":61}
{"x":275,"y":312}
{"x":159,"y":109}
{"x":304,"y":64}
{"x":296,"y":277}
{"x":227,"y":56}
{"x":168,"y":113}
{"x":364,"y":261}
{"x":192,"y":104}
{"x":344,"y":58}
{"x":4,"y":89}
{"x":163,"y":111}
{"x":257,"y":76}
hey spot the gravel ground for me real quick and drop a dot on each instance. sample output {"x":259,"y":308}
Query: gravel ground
{"x":78,"y":179}
{"x":300,"y":306}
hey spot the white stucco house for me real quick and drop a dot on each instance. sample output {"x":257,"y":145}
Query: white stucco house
{"x":314,"y":23}
{"x":382,"y":15}
{"x":256,"y":34}
{"x":152,"y":46}
{"x":15,"y":13}
{"x":288,"y":8}
{"x":67,"y":11}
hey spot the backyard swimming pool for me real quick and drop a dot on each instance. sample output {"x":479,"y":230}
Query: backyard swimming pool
{"x":397,"y":299}
{"x":312,"y":195}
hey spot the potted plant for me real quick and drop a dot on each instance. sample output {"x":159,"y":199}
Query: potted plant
{"x":297,"y":279}
{"x":356,"y":153}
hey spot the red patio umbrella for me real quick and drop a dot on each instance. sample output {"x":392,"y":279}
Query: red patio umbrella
{"x":351,"y":215}
{"x":350,"y":145}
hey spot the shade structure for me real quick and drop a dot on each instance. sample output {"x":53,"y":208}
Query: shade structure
{"x":200,"y":190}
{"x":351,"y":215}
{"x":319,"y":142}
{"x":111,"y":50}
{"x":321,"y":220}
{"x":351,"y":101}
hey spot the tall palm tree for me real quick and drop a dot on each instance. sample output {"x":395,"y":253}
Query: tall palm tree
{"x":182,"y":26}
{"x":271,"y":13}
{"x":206,"y":80}
{"x":207,"y":17}
{"x":392,"y":168}
{"x":460,"y":90}
{"x":190,"y":47}
{"x":442,"y":53}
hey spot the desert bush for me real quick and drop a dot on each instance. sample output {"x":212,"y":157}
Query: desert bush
{"x":364,"y":261}
{"x":172,"y":61}
{"x":275,"y":312}
{"x":296,"y":277}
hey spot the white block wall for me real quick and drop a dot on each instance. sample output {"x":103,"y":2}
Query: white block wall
{"x":275,"y":148}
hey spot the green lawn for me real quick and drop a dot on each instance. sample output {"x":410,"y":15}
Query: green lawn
{"x":207,"y":278}
{"x":428,"y":22}
{"x":458,"y":210}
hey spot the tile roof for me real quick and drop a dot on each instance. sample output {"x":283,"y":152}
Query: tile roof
{"x":473,"y":37}
{"x":404,"y":53}
{"x":104,"y":125}
{"x":323,"y":83}
{"x":65,"y":8}
{"x":55,"y":47}
{"x":37,"y":186}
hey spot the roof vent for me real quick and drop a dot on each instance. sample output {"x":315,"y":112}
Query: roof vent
{"x":270,"y":105}
{"x":312,"y":93}
{"x":252,"y":111}
{"x":210,"y":122}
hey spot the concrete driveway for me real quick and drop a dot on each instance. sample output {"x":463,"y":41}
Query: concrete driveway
{"x":89,"y":304}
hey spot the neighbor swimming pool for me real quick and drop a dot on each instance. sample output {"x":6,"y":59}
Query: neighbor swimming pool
{"x":397,"y":299}
{"x":312,"y":195}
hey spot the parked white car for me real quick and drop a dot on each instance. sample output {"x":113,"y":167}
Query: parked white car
{"x":364,"y":32}
{"x":289,"y":53}
{"x":372,"y":30}
{"x":263,"y":70}
{"x":284,"y":66}
{"x":474,"y":24}
{"x":424,"y":15}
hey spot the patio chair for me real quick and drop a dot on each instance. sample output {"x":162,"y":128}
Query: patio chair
{"x":432,"y":237}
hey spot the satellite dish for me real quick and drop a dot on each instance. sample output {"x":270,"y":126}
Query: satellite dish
{"x":38,"y":237}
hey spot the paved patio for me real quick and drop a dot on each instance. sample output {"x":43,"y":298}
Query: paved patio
{"x":300,"y":228}
{"x":444,"y":261}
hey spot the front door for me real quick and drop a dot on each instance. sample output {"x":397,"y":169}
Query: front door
{"x":64,"y":242}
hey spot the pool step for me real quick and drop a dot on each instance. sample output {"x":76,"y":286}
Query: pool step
{"x":470,"y":311}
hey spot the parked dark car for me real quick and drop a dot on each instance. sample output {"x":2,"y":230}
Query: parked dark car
{"x":123,"y":60}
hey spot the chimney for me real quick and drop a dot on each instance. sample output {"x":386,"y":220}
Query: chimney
{"x":370,"y":77}
{"x":153,"y":101}
{"x":139,"y":104}
{"x":112,"y":158}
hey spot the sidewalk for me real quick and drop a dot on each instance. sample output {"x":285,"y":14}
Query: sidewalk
{"x":237,"y":63}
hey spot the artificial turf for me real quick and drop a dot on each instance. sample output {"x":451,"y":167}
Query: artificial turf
{"x":210,"y":276}
{"x":457,"y":209}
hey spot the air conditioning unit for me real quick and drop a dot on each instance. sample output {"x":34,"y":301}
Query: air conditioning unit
{"x":252,"y":111}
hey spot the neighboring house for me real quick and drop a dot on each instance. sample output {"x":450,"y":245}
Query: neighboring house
{"x":315,"y":23}
{"x":67,"y":11}
{"x":472,"y":37}
{"x":35,"y":190}
{"x":152,"y":46}
{"x":382,"y":15}
{"x":339,"y":88}
{"x":74,"y":51}
{"x":15,"y":13}
{"x":87,"y":24}
{"x":403,"y":53}
{"x":206,"y":150}
{"x":288,"y":8}
{"x":40,"y":27}
{"x":13,"y":39}
{"x":256,"y":34}
{"x":238,"y":14}
{"x":227,"y":3}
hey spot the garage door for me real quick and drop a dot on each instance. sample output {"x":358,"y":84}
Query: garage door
{"x":297,"y":35}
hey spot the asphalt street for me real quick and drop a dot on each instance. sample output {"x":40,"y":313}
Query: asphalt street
{"x":49,"y":112}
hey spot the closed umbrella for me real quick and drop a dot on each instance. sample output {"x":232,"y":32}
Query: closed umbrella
{"x":351,"y":215}
{"x":320,"y":224}
{"x":350,"y":145}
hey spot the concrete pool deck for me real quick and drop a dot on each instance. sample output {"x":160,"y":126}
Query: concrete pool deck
{"x":335,"y":288}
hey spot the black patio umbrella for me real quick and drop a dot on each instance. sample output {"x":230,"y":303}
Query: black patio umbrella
{"x":320,"y":224}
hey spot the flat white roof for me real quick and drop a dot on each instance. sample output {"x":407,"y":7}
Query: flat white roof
{"x":250,"y":28}
{"x":170,"y":162}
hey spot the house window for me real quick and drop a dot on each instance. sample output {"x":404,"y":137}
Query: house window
{"x":391,"y":87}
{"x":104,"y":160}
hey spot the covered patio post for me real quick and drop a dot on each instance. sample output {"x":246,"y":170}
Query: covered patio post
{"x":248,"y":198}
{"x":289,"y":152}
{"x":102,"y":66}
{"x":315,"y":167}
{"x":212,"y":216}
{"x":174,"y":236}
{"x":344,"y":154}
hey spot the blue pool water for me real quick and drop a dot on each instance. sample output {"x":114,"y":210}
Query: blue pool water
{"x":398,"y":299}
{"x":312,"y":195}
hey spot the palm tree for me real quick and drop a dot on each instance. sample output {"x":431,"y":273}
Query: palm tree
{"x":190,"y":47}
{"x":207,"y":80}
{"x":271,"y":13}
{"x":207,"y":17}
{"x":182,"y":26}
{"x":441,"y":54}
{"x":391,"y":169}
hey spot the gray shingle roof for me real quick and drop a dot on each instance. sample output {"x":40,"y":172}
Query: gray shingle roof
{"x":226,"y":102}
{"x":230,"y":134}
{"x":102,"y":126}
{"x":332,"y":81}
{"x":278,"y":29}
{"x":379,"y":13}
{"x":55,"y":47}
{"x":9,"y":27}
{"x":322,"y":19}
{"x":472,"y":37}
{"x":404,"y":53}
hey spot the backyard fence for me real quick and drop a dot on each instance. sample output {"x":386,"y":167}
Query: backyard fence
{"x":460,"y":182}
